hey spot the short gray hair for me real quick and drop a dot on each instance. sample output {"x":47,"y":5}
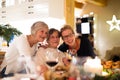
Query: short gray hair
{"x":38,"y":25}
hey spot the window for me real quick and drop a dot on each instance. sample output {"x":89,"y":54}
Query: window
{"x":10,"y":3}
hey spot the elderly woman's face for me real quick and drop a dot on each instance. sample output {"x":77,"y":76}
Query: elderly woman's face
{"x":41,"y":34}
{"x":54,"y":40}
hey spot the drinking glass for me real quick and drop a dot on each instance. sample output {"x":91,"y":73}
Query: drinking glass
{"x":70,"y":55}
{"x":51,"y":59}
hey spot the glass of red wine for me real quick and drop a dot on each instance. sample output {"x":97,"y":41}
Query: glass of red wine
{"x":51,"y":60}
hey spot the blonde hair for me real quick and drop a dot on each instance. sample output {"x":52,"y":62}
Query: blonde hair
{"x":65,"y":27}
{"x":38,"y":25}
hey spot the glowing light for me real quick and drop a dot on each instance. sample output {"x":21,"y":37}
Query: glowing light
{"x":114,"y":23}
{"x":105,"y":73}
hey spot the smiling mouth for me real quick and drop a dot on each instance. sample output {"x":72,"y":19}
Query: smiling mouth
{"x":70,"y":41}
{"x":55,"y":43}
{"x":42,"y":37}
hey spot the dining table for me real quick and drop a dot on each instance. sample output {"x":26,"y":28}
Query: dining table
{"x":18,"y":76}
{"x":75,"y":71}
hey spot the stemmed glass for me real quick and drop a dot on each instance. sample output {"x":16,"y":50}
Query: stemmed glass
{"x":71,"y":56}
{"x":51,"y":59}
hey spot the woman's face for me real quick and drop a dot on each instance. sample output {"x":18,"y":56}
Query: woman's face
{"x":54,"y":40}
{"x":41,"y":34}
{"x":68,"y":37}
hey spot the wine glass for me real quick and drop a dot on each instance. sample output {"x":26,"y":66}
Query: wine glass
{"x":71,"y":56}
{"x":51,"y":59}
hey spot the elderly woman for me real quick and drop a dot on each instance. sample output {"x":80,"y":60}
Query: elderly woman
{"x":22,"y":50}
{"x":53,"y":40}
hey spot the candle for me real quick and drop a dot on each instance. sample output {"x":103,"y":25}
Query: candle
{"x":105,"y":73}
{"x":93,"y":66}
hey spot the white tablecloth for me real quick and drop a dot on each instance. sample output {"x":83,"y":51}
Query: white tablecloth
{"x":24,"y":77}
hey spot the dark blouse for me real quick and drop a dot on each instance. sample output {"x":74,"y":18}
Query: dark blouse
{"x":85,"y":49}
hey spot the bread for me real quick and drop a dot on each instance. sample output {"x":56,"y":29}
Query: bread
{"x":60,"y":73}
{"x":116,"y":64}
{"x":108,"y":64}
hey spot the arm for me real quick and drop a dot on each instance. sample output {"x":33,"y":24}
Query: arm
{"x":40,"y":60}
{"x":25,"y":51}
{"x":23,"y":46}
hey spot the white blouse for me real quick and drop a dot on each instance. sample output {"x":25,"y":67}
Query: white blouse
{"x":18,"y":56}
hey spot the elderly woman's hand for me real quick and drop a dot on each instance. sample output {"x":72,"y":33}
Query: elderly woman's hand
{"x":41,"y":69}
{"x":43,"y":46}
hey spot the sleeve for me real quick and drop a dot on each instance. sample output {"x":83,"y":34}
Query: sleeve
{"x":40,"y":57}
{"x":88,"y":47}
{"x":25,"y":51}
{"x":23,"y":46}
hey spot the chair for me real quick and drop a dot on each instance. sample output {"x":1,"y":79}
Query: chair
{"x":113,"y":54}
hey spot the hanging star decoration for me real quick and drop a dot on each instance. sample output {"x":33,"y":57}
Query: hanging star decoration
{"x":114,"y":23}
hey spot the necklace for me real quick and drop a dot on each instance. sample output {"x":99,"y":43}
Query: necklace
{"x":73,"y":50}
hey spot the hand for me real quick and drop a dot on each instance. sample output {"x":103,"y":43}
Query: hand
{"x":66,"y":61}
{"x":73,"y":51}
{"x":41,"y":69}
{"x":44,"y":46}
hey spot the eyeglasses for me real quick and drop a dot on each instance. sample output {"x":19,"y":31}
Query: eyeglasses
{"x":66,"y":37}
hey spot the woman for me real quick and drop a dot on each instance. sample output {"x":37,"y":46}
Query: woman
{"x":53,"y":40}
{"x":79,"y":46}
{"x":19,"y":54}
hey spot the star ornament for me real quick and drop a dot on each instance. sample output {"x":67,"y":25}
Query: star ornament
{"x":114,"y":23}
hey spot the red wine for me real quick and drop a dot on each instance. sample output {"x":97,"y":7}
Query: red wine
{"x":51,"y":63}
{"x":69,"y":60}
